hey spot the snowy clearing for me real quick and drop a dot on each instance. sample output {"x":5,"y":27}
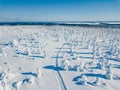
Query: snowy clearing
{"x":56,"y":57}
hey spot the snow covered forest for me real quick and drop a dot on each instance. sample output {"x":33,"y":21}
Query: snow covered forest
{"x":58,"y":57}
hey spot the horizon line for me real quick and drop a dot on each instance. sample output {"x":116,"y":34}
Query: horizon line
{"x":62,"y":21}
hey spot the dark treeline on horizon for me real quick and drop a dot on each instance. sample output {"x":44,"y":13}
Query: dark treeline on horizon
{"x":101,"y":24}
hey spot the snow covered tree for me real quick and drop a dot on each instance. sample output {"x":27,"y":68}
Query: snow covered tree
{"x":84,"y":79}
{"x":15,"y":43}
{"x":109,"y":73}
{"x":39,"y":73}
{"x":65,"y":65}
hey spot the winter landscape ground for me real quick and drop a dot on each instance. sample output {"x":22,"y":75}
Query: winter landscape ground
{"x":59,"y":57}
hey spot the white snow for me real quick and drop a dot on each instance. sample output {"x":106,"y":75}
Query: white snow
{"x":59,"y":58}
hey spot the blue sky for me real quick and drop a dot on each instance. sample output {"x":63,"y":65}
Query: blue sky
{"x":59,"y":10}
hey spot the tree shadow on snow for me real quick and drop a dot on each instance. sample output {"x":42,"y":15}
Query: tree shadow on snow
{"x":86,"y":57}
{"x":78,"y":80}
{"x":29,"y":73}
{"x":90,"y":75}
{"x":51,"y":67}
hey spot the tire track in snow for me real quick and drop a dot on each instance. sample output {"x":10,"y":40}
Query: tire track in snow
{"x":59,"y":86}
{"x":59,"y":76}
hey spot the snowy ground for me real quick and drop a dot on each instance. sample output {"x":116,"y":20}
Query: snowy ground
{"x":59,"y":58}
